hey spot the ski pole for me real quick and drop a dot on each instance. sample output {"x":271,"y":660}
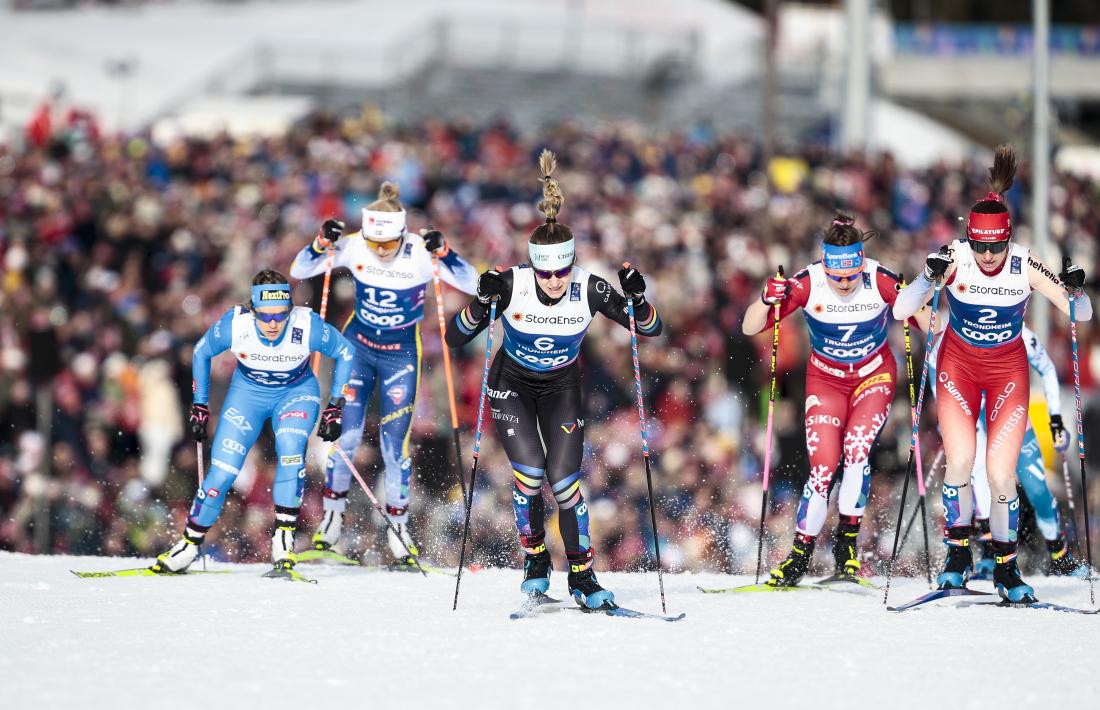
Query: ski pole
{"x":1072,"y":509}
{"x":329,"y":258}
{"x":913,"y":437}
{"x":917,"y":511}
{"x":768,"y":440}
{"x":447,"y":369}
{"x":916,"y":443}
{"x":477,"y":444}
{"x":380,"y":509}
{"x":202,"y":477}
{"x":645,"y":442}
{"x":1080,"y":432}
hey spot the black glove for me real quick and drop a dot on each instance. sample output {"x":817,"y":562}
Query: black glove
{"x":433,"y":240}
{"x":197,"y":419}
{"x":332,"y":421}
{"x":1058,"y":432}
{"x":632,"y":283}
{"x":1072,"y":276}
{"x":936,"y":264}
{"x":331,"y":230}
{"x":491,"y":285}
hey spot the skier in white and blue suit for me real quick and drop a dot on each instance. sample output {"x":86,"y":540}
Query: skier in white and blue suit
{"x":273,"y":342}
{"x":391,"y":269}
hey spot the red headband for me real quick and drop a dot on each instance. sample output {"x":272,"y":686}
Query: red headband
{"x":989,"y":227}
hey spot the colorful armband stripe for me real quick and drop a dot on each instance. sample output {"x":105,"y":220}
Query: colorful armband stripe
{"x":465,"y":321}
{"x":649,"y":323}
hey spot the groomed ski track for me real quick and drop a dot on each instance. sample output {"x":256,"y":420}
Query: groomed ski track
{"x":370,"y":639}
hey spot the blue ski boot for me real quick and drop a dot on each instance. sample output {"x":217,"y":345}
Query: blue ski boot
{"x":584,"y":587}
{"x":1006,"y":576}
{"x":959,"y":562}
{"x":536,"y":572}
{"x":1062,"y":561}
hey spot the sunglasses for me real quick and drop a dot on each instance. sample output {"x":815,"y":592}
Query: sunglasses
{"x":983,"y":247}
{"x":391,"y":244}
{"x":850,"y":277}
{"x":272,"y":317}
{"x":560,"y":273}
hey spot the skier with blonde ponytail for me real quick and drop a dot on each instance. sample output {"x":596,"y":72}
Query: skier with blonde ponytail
{"x":545,"y":307}
{"x":391,"y":269}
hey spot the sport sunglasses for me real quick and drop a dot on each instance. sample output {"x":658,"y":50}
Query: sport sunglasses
{"x":390,"y":244}
{"x":272,"y":317}
{"x":849,"y":277}
{"x":560,"y":273}
{"x":983,"y":247}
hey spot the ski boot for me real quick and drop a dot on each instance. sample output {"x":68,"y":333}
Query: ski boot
{"x":1062,"y":561}
{"x":182,"y":554}
{"x":403,"y":561}
{"x":536,"y":573}
{"x":328,"y":532}
{"x":1006,"y":575}
{"x":791,"y":570}
{"x":984,"y":568}
{"x":282,"y":549}
{"x":584,"y":587}
{"x":960,"y":562}
{"x":845,"y":549}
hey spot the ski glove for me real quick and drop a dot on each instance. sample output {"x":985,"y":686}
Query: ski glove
{"x":633,"y":284}
{"x":775,"y":291}
{"x":197,"y":419}
{"x":332,"y":421}
{"x":1058,"y":433}
{"x":1072,"y":276}
{"x":936,"y":264}
{"x":434,"y":241}
{"x":331,"y":230}
{"x":491,"y":285}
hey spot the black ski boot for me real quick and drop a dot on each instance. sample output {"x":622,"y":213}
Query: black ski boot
{"x":536,"y":573}
{"x":791,"y":570}
{"x":583,"y":585}
{"x":1006,"y":575}
{"x":845,"y":547}
{"x":984,"y":568}
{"x":960,"y":562}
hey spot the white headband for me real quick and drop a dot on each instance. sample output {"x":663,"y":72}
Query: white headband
{"x":551,"y":257}
{"x":383,"y":226}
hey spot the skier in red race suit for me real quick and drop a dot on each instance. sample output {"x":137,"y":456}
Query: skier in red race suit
{"x":988,"y":280}
{"x":850,"y":380}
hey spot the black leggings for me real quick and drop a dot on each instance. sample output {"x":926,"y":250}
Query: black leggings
{"x":540,"y":421}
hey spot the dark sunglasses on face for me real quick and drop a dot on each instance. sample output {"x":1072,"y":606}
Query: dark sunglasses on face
{"x":560,"y":273}
{"x":983,"y":247}
{"x":272,"y":317}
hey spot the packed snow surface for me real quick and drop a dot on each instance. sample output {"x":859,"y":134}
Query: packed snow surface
{"x":371,"y":639}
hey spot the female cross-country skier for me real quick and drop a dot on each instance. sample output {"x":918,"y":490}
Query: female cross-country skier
{"x":988,"y":280}
{"x":850,"y":380}
{"x":534,"y":393}
{"x":272,"y":342}
{"x":1030,"y":472}
{"x":391,"y":269}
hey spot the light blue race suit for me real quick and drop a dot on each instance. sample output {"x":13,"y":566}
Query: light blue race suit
{"x":1030,"y":470}
{"x":273,"y":380}
{"x":385,"y":330}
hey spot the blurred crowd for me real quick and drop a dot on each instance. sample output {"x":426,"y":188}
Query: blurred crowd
{"x":118,"y":253}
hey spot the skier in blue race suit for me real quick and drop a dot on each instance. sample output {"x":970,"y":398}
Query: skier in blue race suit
{"x":391,"y":269}
{"x":272,"y":342}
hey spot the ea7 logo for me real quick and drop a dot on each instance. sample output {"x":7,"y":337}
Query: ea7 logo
{"x":234,"y":417}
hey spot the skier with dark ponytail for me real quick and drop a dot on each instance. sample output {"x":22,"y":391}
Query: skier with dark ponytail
{"x":988,"y":280}
{"x":545,"y":307}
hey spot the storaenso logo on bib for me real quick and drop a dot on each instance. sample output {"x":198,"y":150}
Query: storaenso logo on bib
{"x":553,"y":320}
{"x":996,"y":291}
{"x":852,"y":307}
